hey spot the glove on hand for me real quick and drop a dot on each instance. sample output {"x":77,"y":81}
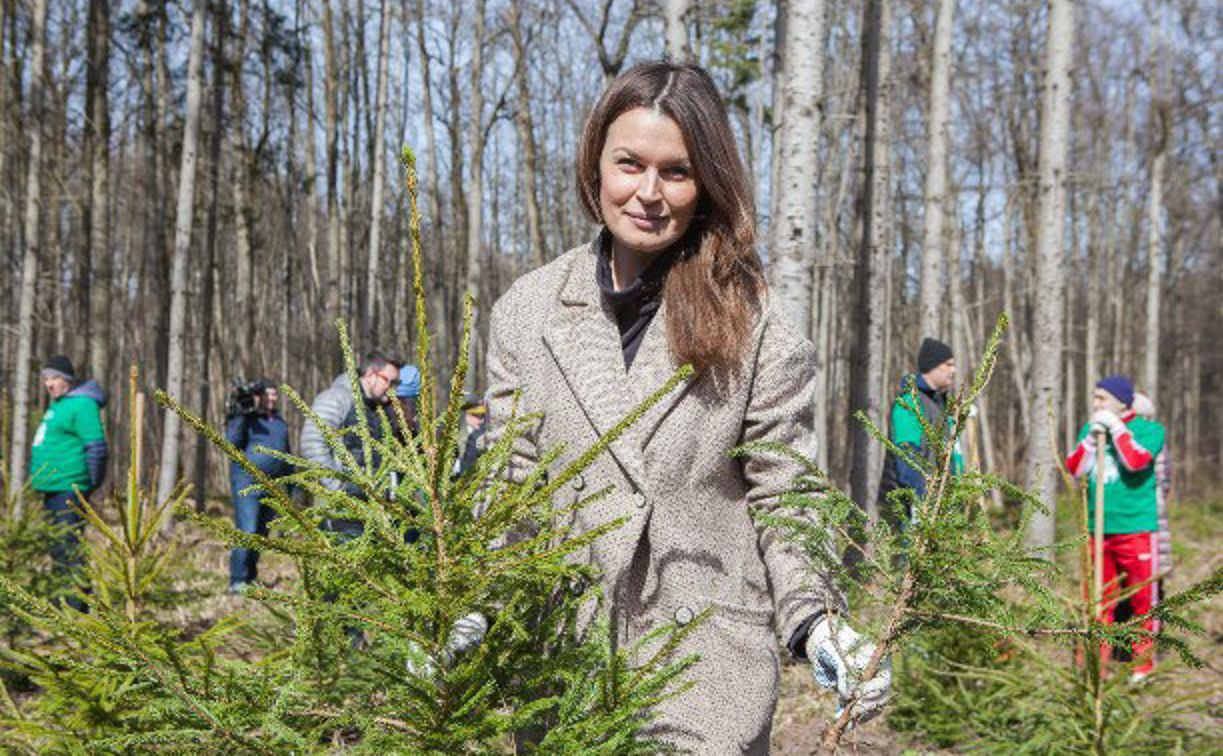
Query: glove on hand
{"x":467,"y":633}
{"x":1107,"y":420}
{"x":839,"y":657}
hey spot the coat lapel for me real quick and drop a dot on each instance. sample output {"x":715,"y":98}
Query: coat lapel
{"x":582,"y":335}
{"x":652,"y":368}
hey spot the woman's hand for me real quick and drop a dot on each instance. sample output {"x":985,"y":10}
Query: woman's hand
{"x":840,"y":657}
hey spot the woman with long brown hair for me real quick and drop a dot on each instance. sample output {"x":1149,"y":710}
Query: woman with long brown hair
{"x":673,"y":278}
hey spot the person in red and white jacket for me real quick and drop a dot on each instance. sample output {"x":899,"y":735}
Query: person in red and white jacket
{"x":1131,"y":512}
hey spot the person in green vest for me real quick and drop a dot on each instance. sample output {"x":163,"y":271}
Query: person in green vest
{"x":923,"y":394}
{"x":68,"y":456}
{"x":1131,"y":509}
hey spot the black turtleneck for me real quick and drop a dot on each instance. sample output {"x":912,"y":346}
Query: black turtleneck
{"x":635,"y":304}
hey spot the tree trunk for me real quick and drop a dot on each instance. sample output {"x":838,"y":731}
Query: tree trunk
{"x":331,"y":307}
{"x":1042,"y":464}
{"x":101,"y":287}
{"x":475,"y":195}
{"x":1160,"y":123}
{"x":221,"y":11}
{"x":934,"y":244}
{"x":536,"y":251}
{"x":379,"y":159}
{"x":675,"y":13}
{"x":168,"y":475}
{"x":793,"y":243}
{"x":436,"y":244}
{"x":866,"y":384}
{"x":30,"y":258}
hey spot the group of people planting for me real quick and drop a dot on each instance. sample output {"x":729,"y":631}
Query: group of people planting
{"x":671,"y":278}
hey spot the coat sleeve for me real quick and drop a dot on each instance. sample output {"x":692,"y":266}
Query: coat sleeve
{"x":780,"y":410}
{"x":88,"y":426}
{"x":331,"y":409}
{"x":505,"y":380}
{"x":236,"y":430}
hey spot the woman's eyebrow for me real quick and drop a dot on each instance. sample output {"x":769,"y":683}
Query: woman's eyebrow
{"x":680,"y":162}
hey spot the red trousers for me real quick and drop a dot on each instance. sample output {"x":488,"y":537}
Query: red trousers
{"x":1136,"y":557}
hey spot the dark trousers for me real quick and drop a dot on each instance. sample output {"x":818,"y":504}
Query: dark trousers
{"x":66,"y":555}
{"x":251,"y":515}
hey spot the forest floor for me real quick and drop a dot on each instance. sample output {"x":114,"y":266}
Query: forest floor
{"x":803,"y":708}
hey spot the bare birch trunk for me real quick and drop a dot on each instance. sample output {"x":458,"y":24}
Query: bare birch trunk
{"x":168,"y":474}
{"x":375,"y":213}
{"x":1042,"y":461}
{"x":793,"y":231}
{"x":675,"y":14}
{"x":1160,"y":122}
{"x":1091,"y":348}
{"x":866,"y":383}
{"x":934,"y":244}
{"x":29,"y":262}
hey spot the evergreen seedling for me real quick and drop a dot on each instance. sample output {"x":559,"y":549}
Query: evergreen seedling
{"x":364,"y":658}
{"x":937,"y":562}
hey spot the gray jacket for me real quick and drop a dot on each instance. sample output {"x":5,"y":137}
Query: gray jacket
{"x":690,"y":543}
{"x":336,"y":408}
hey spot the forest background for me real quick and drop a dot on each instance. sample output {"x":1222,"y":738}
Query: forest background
{"x":204,"y":188}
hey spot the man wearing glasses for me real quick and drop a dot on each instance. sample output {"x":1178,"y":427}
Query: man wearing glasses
{"x":337,"y":408}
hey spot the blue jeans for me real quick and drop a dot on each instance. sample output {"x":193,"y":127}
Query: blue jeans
{"x":251,"y":515}
{"x":66,"y":554}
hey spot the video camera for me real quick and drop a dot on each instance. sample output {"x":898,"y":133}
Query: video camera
{"x":242,"y":397}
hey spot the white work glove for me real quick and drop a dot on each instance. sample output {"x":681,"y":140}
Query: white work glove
{"x":1107,"y":420}
{"x":839,"y":657}
{"x":467,"y":633}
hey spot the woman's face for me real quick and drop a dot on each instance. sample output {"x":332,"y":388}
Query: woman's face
{"x":647,"y":189}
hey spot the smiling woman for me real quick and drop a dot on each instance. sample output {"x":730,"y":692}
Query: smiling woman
{"x":672,"y":279}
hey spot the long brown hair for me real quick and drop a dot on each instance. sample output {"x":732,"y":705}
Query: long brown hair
{"x":716,"y":286}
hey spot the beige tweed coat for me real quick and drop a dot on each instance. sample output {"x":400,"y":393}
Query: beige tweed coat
{"x":690,"y":543}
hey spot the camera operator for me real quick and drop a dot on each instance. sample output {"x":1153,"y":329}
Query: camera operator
{"x":252,"y":422}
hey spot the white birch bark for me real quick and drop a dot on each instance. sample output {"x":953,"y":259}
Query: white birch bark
{"x":1155,"y":255}
{"x":168,"y":475}
{"x":1042,"y":457}
{"x":29,"y":261}
{"x":675,"y":14}
{"x":793,"y":243}
{"x":934,"y":244}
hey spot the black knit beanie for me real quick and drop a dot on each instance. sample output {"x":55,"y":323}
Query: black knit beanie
{"x":62,"y":366}
{"x":932,"y":354}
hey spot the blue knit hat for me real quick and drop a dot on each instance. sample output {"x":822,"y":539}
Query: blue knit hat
{"x":1119,"y":386}
{"x":409,"y":382}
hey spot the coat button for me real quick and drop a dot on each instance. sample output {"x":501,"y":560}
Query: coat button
{"x":578,"y":482}
{"x":683,"y":616}
{"x":639,"y":500}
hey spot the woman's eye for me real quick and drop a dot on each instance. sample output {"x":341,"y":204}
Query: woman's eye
{"x":628,"y":163}
{"x":678,"y":172}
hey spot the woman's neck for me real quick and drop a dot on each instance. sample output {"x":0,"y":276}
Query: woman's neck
{"x":627,"y":265}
